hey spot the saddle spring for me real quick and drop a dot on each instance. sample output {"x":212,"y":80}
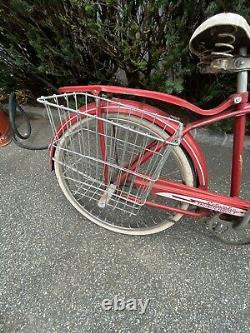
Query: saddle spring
{"x":223,"y":48}
{"x":224,"y":45}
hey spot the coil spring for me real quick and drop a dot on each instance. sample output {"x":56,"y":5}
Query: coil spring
{"x":226,"y":46}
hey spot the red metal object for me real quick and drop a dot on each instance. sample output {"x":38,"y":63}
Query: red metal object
{"x":190,"y":194}
{"x":175,"y":210}
{"x":170,"y":99}
{"x":5,"y":129}
{"x":212,"y":119}
{"x":102,"y":142}
{"x":238,"y":152}
{"x":199,"y":197}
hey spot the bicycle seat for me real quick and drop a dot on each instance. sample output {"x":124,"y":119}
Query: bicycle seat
{"x":221,"y":35}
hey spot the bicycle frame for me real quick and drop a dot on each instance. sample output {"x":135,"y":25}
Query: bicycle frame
{"x":236,"y":106}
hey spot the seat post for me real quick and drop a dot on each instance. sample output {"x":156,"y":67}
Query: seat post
{"x":239,"y":135}
{"x":242,"y":77}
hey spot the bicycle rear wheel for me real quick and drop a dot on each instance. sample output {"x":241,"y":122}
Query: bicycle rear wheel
{"x":148,"y":220}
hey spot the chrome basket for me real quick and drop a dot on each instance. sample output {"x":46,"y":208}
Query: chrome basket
{"x":101,"y":146}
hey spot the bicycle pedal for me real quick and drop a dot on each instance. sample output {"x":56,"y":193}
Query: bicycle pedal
{"x":106,"y":196}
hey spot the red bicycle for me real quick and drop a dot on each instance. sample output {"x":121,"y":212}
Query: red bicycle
{"x":131,"y":168}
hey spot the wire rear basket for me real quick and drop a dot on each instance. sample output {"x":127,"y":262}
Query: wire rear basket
{"x":109,"y":152}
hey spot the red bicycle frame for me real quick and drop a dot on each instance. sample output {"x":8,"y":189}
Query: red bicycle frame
{"x":236,"y":106}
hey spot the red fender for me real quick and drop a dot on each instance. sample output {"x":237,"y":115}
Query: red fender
{"x":188,"y":143}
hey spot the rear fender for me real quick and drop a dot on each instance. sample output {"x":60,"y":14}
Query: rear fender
{"x":188,"y":143}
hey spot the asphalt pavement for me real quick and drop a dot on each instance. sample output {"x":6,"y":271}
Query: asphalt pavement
{"x":57,"y":267}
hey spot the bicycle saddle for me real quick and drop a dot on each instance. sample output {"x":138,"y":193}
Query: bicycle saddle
{"x":220,"y":36}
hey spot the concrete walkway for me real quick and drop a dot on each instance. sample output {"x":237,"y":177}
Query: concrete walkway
{"x":57,"y":267}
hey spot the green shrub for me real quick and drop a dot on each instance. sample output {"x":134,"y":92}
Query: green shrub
{"x":48,"y":43}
